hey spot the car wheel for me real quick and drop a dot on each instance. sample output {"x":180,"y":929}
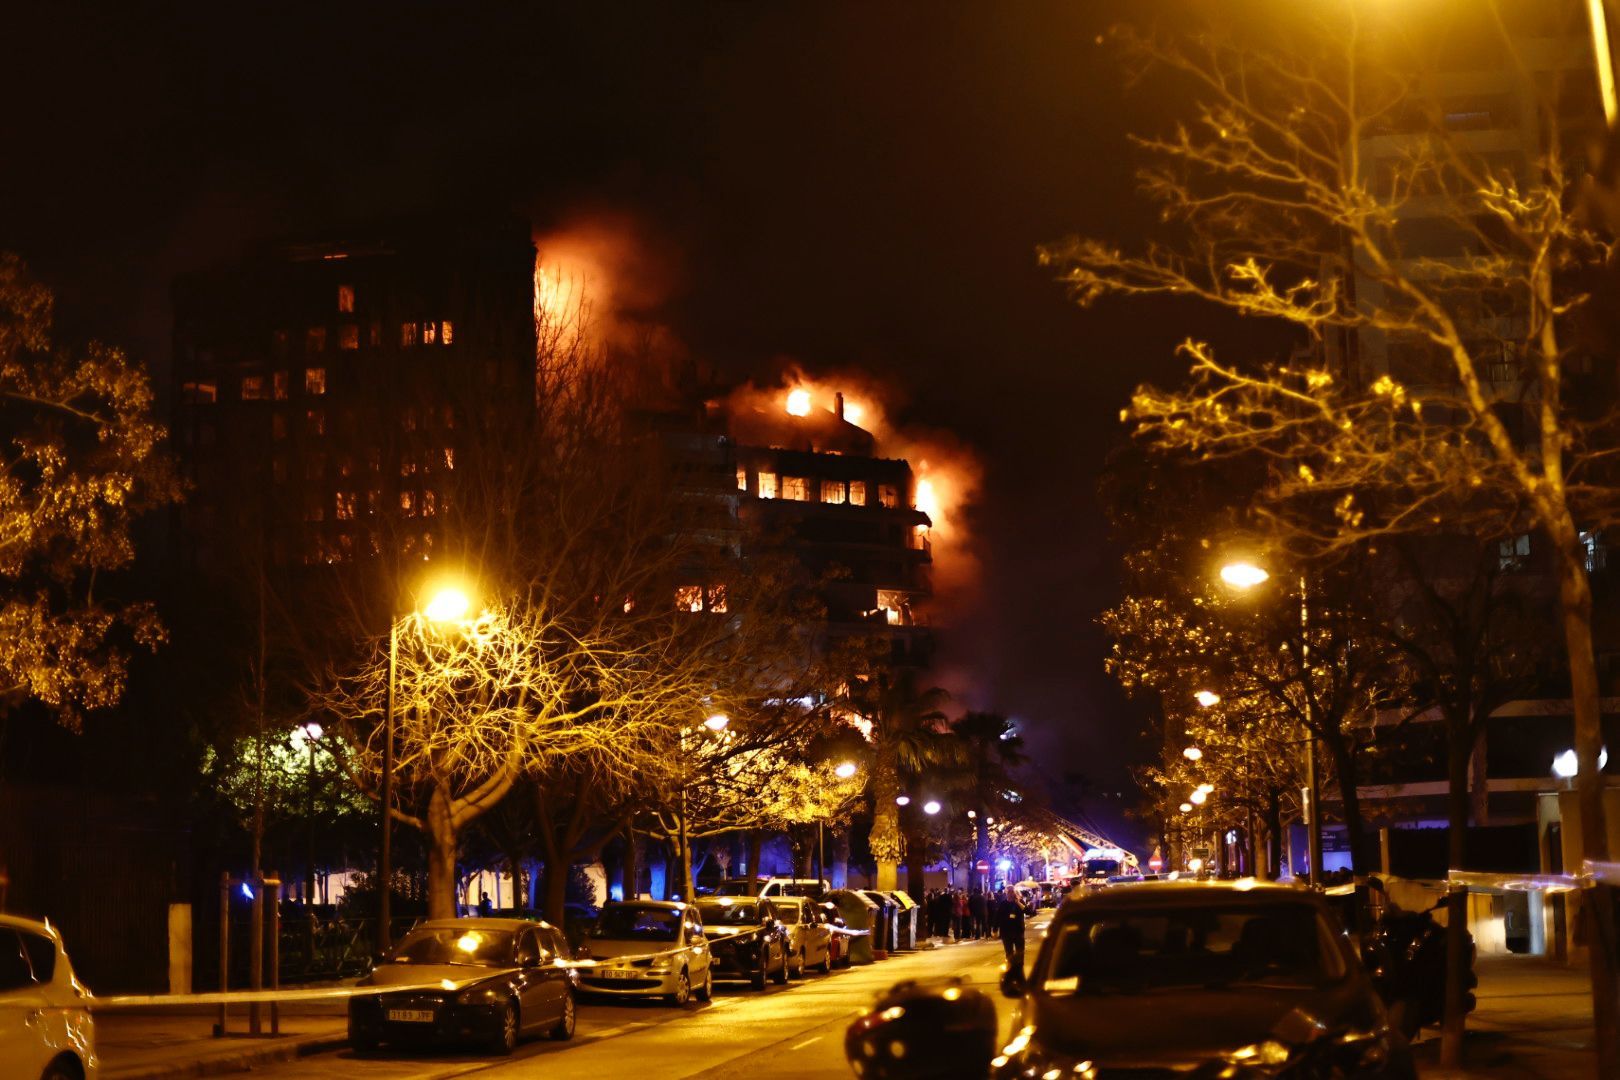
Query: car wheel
{"x":360,"y":1040}
{"x":825,"y":966}
{"x":798,"y":964}
{"x":565,"y":1023}
{"x":757,"y":979}
{"x":683,"y":991}
{"x":706,"y":991}
{"x":782,"y":972}
{"x":506,"y":1036}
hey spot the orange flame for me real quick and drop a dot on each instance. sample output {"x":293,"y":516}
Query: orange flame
{"x":798,"y":402}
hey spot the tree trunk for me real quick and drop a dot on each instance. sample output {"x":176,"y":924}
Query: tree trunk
{"x":1597,"y":905}
{"x":1274,"y":832}
{"x":630,"y":881}
{"x":885,"y":839}
{"x":916,"y":847}
{"x":981,"y":847}
{"x":1344,"y":764}
{"x":1458,"y":753}
{"x":840,"y":859}
{"x":756,"y":843}
{"x":441,"y":840}
{"x":556,"y":891}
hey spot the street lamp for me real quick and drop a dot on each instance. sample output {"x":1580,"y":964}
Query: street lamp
{"x":717,"y":722}
{"x":448,"y":605}
{"x":1186,"y":807}
{"x":931,"y":807}
{"x":1207,"y":698}
{"x":845,"y":770}
{"x":902,"y":800}
{"x":309,"y":734}
{"x":1246,"y":575}
{"x":1192,"y":753}
{"x":1199,"y":797}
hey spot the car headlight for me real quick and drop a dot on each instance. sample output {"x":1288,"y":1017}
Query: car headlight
{"x":478,"y":996}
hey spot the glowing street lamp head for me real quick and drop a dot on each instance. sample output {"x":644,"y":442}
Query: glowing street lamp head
{"x":1192,"y":753}
{"x":1198,"y":797}
{"x":1207,"y":789}
{"x":1244,"y":575}
{"x":1186,"y":808}
{"x":1566,"y":767}
{"x":717,"y":722}
{"x":845,"y":770}
{"x":972,"y":814}
{"x":1207,"y":698}
{"x":931,"y":806}
{"x":447,"y":605}
{"x":902,"y":800}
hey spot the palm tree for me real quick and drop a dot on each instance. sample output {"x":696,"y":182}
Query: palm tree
{"x":908,"y":737}
{"x":989,"y":745}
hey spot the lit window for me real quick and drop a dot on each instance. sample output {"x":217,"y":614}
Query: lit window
{"x":767,"y":485}
{"x":832,"y":491}
{"x":252,"y":387}
{"x":345,"y":298}
{"x":345,"y":506}
{"x":407,"y":334}
{"x":428,"y":333}
{"x":314,"y":422}
{"x":629,"y":604}
{"x":1597,"y":555}
{"x":688,"y":598}
{"x":315,"y":381}
{"x":857,"y":492}
{"x":349,"y":336}
{"x":1513,"y":554}
{"x":315,"y":340}
{"x":796,"y":488}
{"x":742,"y":478}
{"x":446,"y":332}
{"x":314,"y":510}
{"x":893,"y":605}
{"x":407,"y":503}
{"x":278,"y":426}
{"x":280,"y":379}
{"x":199,"y":393}
{"x":407,"y":468}
{"x":449,"y":458}
{"x":429,"y":503}
{"x":888,"y":495}
{"x":715,"y":599}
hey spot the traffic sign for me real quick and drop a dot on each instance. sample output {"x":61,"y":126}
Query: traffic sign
{"x":982,"y":867}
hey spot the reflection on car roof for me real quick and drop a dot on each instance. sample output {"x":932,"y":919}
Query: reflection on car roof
{"x":478,"y":923}
{"x":1150,"y":893}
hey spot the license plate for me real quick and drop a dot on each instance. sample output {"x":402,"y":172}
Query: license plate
{"x":617,"y":973}
{"x":411,"y":1016}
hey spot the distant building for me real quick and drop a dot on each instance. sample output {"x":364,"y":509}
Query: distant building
{"x":321,"y":386}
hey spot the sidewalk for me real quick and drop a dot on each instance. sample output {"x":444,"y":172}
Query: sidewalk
{"x":171,"y":1044}
{"x":1533,"y":1020}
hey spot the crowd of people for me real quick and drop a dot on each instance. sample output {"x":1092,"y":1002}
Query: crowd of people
{"x":968,"y":914}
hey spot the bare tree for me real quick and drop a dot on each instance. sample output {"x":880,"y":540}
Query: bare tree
{"x":1279,"y":207}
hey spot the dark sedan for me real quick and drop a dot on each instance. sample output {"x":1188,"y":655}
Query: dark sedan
{"x":1252,"y":980}
{"x":487,"y":981}
{"x":746,"y":940}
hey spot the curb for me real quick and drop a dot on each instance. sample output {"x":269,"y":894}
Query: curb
{"x":229,"y":1061}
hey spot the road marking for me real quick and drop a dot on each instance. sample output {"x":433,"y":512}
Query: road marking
{"x":807,"y":1042}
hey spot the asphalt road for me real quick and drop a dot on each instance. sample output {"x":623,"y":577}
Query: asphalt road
{"x":794,"y":1031}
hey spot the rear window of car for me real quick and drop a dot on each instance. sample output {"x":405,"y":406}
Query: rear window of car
{"x":788,"y":912}
{"x":1214,"y":947}
{"x":733,"y":914}
{"x":15,"y":972}
{"x":637,"y":924}
{"x":41,"y":954}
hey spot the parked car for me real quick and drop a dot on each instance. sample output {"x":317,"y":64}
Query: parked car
{"x":489,"y":981}
{"x":46,"y":1030}
{"x":809,"y":938}
{"x":1177,"y":976}
{"x":814,"y":888}
{"x":746,"y":939}
{"x":738,"y":886}
{"x":649,"y":948}
{"x":837,"y":943}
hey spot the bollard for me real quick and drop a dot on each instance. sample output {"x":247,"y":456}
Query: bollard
{"x":224,"y":946}
{"x":273,"y":898}
{"x":256,"y":954}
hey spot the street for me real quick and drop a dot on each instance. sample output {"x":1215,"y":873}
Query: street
{"x":785,"y":1031}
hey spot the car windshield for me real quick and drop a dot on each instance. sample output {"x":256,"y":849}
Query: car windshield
{"x":788,"y":913}
{"x":1101,"y":868}
{"x":1283,"y":946}
{"x":810,"y":889}
{"x":454,"y":945}
{"x":728,"y":914}
{"x":637,"y":924}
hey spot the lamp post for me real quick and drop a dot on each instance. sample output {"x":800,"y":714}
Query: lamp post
{"x":1246,"y":575}
{"x":715,"y":722}
{"x":447,"y":605}
{"x":310,"y":734}
{"x":844,"y":770}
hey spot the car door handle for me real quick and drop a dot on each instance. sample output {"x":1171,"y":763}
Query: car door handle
{"x":33,"y":1017}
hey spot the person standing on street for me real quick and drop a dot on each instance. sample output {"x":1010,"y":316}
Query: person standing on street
{"x":1008,"y":921}
{"x":976,"y":913}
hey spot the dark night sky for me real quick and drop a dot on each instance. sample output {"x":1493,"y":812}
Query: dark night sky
{"x":851,"y":185}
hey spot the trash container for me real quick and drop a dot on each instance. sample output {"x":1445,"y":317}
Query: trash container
{"x":886,"y":926}
{"x":859,"y":914}
{"x":905,"y":920}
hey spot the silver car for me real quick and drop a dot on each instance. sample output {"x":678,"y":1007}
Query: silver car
{"x":809,"y":936}
{"x":45,"y":1026}
{"x":648,"y":948}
